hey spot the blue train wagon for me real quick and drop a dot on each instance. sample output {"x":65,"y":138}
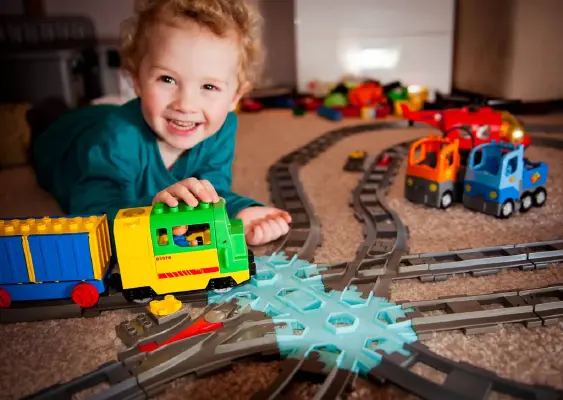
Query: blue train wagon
{"x":499,"y":180}
{"x":54,"y":258}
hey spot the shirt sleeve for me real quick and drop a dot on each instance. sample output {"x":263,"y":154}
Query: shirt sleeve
{"x":107,"y":176}
{"x":217,"y":168}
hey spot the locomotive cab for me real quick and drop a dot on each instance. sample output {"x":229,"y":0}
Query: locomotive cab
{"x":163,"y":250}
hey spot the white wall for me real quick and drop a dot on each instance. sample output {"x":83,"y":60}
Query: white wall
{"x":410,"y":41}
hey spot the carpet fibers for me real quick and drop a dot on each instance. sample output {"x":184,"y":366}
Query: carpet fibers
{"x":39,"y":354}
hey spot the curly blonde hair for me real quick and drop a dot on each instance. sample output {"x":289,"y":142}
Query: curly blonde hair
{"x":219,"y":16}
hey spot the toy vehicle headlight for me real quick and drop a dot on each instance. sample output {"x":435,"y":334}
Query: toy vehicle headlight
{"x":517,"y":134}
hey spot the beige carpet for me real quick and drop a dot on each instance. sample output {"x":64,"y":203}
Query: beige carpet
{"x":35,"y":355}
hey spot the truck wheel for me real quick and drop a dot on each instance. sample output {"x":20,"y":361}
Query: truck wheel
{"x":526,"y":202}
{"x":540,"y":196}
{"x":507,"y":209}
{"x":446,"y":200}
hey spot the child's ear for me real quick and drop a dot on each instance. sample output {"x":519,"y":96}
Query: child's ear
{"x":235,"y":101}
{"x":242,"y":90}
{"x":136,"y":85}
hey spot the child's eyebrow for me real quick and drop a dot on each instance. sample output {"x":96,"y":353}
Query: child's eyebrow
{"x":160,"y":67}
{"x":215,"y":80}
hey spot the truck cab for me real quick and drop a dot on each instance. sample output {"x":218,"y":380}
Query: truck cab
{"x":499,"y":180}
{"x":434,"y":172}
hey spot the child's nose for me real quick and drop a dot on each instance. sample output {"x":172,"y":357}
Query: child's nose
{"x":185,"y":101}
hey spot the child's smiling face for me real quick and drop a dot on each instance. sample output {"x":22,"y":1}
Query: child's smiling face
{"x":187,"y":82}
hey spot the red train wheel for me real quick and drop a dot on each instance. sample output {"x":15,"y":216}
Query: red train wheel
{"x":85,"y":295}
{"x":5,"y":299}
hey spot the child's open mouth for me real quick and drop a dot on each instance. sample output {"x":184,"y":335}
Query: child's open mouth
{"x":182,"y":127}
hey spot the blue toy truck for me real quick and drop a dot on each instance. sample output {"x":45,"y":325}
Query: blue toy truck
{"x":500,"y":181}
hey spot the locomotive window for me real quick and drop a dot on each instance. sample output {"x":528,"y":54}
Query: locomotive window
{"x":191,"y":235}
{"x":162,"y":237}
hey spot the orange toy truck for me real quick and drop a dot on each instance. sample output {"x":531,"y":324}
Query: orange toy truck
{"x":435,"y":172}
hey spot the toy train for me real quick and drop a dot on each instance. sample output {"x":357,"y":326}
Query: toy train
{"x":495,"y":178}
{"x":160,"y":250}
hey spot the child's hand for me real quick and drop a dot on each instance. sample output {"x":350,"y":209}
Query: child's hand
{"x":264,"y":224}
{"x":190,"y":190}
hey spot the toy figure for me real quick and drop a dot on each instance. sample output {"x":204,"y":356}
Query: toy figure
{"x":179,"y":235}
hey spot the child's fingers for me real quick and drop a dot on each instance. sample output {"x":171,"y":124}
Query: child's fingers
{"x":211,"y":190}
{"x":283,"y":224}
{"x":197,"y":188}
{"x":167,"y":199}
{"x":274,"y":228}
{"x":270,"y":230}
{"x":286,"y":216}
{"x":255,"y":235}
{"x":180,"y":191}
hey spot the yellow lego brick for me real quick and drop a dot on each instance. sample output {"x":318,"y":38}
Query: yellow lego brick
{"x":50,"y":225}
{"x":398,"y":110}
{"x":417,"y":96}
{"x":133,"y":244}
{"x":190,"y":271}
{"x":100,"y":248}
{"x":368,"y":113}
{"x":165,"y":307}
{"x":28,"y":259}
{"x":185,"y":271}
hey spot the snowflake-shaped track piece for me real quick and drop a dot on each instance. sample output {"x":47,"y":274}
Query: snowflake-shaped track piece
{"x":344,"y":328}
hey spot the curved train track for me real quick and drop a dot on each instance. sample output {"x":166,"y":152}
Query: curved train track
{"x":379,"y":260}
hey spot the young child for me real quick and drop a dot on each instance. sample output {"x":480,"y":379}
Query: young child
{"x":190,"y":62}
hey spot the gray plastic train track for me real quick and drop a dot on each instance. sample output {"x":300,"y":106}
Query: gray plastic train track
{"x":380,"y":259}
{"x":379,"y":256}
{"x":143,"y":375}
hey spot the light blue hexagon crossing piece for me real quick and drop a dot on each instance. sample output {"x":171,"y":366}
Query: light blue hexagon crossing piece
{"x":343,"y":327}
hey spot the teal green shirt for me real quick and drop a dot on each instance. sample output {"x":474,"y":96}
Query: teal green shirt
{"x":99,"y":159}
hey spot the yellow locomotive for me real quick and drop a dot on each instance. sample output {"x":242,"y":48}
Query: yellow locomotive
{"x":163,"y":249}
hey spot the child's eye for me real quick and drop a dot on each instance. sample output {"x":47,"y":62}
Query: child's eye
{"x":210,"y":87}
{"x":167,"y":79}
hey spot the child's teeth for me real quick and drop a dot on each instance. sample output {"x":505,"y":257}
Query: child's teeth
{"x":182,"y":124}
